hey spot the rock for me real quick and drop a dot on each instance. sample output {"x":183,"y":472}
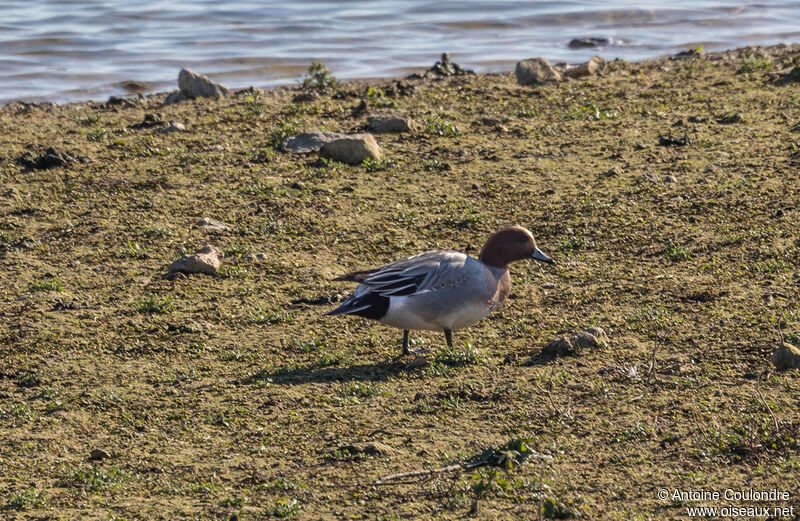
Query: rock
{"x":309,"y":141}
{"x":585,"y":43}
{"x":175,"y":97}
{"x":352,"y":150}
{"x":649,"y":177}
{"x":305,"y":97}
{"x":670,"y":141}
{"x":536,"y":71}
{"x":698,"y":119}
{"x":374,"y":448}
{"x":98,"y":454}
{"x":731,"y":118}
{"x":574,"y":344}
{"x":787,"y":75}
{"x":194,"y":85}
{"x":443,"y":68}
{"x":150,"y":120}
{"x":670,"y":179}
{"x":786,"y":356}
{"x":51,"y":158}
{"x":384,"y":124}
{"x":590,"y":68}
{"x":205,"y":260}
{"x":174,"y":126}
{"x":256,"y":257}
{"x":212,"y":225}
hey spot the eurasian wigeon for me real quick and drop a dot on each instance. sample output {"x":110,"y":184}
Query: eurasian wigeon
{"x":440,"y":290}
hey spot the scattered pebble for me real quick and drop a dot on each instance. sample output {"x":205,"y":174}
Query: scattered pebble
{"x":443,"y":68}
{"x":589,"y":68}
{"x":574,"y":344}
{"x":786,"y":356}
{"x":536,"y":71}
{"x":384,"y":124}
{"x":731,"y":119}
{"x":670,"y":179}
{"x":51,"y":158}
{"x":212,"y":225}
{"x":98,"y":454}
{"x":305,"y":97}
{"x":352,"y":149}
{"x":205,"y":260}
{"x":256,"y":257}
{"x":309,"y":141}
{"x":150,"y":120}
{"x":670,"y":141}
{"x":174,"y":126}
{"x":373,"y":448}
{"x":698,"y":119}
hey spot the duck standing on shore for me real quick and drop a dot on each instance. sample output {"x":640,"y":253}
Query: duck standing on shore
{"x":440,"y":290}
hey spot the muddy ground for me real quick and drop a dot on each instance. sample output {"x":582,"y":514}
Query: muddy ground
{"x":231,"y":396}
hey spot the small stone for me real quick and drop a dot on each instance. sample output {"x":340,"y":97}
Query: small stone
{"x":174,"y":126}
{"x":649,"y":177}
{"x":51,"y":158}
{"x":256,"y":257}
{"x":373,"y":448}
{"x":589,"y":68}
{"x":670,"y":179}
{"x":175,"y":97}
{"x":536,"y":71}
{"x":98,"y":454}
{"x":205,"y":260}
{"x":309,"y":141}
{"x":559,"y":347}
{"x":786,"y":356}
{"x":305,"y":97}
{"x":612,"y":172}
{"x":670,"y":141}
{"x":574,"y":344}
{"x":698,"y":119}
{"x":353,"y":149}
{"x":730,"y":119}
{"x":212,"y":225}
{"x":547,"y":285}
{"x":194,"y":85}
{"x":384,"y":124}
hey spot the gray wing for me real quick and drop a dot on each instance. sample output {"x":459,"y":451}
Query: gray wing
{"x":420,"y":273}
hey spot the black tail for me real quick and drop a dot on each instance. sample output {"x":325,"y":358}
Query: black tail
{"x":369,"y":305}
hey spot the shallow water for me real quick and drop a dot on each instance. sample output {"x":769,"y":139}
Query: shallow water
{"x":67,"y":50}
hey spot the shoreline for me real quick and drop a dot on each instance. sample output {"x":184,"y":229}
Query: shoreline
{"x":371,"y":80}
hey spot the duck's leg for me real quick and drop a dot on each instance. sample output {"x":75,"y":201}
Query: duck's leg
{"x":448,"y":336}
{"x":405,"y":342}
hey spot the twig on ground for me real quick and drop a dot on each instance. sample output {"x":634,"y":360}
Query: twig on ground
{"x":766,"y":405}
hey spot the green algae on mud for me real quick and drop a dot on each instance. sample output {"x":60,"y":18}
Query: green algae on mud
{"x":227,"y":396}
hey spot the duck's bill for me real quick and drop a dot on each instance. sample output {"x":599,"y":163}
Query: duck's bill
{"x":540,"y":256}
